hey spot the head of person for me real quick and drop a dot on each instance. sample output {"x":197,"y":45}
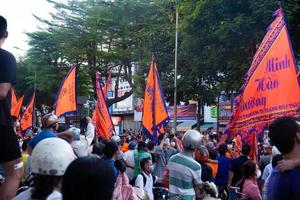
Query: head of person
{"x":223,"y":150}
{"x":116,"y":139}
{"x":267,"y":149}
{"x":49,"y":161}
{"x":88,"y":178}
{"x":132,"y":145}
{"x":166,"y":143}
{"x":142,"y":146}
{"x":285,"y":134}
{"x":150,"y":145}
{"x":3,"y":30}
{"x":202,"y":154}
{"x":276,"y":159}
{"x":146,"y":165}
{"x":246,"y":149}
{"x":210,"y":145}
{"x":76,"y":132}
{"x":50,"y":121}
{"x":160,"y":138}
{"x":111,"y":150}
{"x":192,"y":140}
{"x":98,"y":149}
{"x":249,"y":170}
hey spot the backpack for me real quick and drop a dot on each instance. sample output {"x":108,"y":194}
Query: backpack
{"x":132,"y":182}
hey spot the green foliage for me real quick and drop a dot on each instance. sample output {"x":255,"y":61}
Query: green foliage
{"x":217,"y":40}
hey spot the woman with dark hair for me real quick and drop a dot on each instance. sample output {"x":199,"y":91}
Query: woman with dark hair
{"x":88,"y":178}
{"x":250,"y":187}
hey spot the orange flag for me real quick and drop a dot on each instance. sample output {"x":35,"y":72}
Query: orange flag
{"x":66,"y":101}
{"x":101,"y":116}
{"x":155,"y":113}
{"x":26,"y":121}
{"x":15,"y":104}
{"x":271,"y":89}
{"x":238,"y":144}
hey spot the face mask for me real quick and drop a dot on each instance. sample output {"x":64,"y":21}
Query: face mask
{"x":56,"y":127}
{"x":151,"y":168}
{"x":173,"y":144}
{"x":258,"y":173}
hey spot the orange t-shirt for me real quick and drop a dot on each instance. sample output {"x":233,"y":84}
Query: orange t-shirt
{"x":214,"y":166}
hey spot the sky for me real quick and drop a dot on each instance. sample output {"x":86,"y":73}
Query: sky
{"x":20,"y":19}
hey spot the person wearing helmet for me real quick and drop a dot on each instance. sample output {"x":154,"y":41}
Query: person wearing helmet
{"x":49,"y":126}
{"x":49,"y":160}
{"x":82,"y":143}
{"x":184,"y":171}
{"x":116,"y":139}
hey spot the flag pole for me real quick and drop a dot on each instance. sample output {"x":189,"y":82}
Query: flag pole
{"x":175,"y":75}
{"x":34,"y":90}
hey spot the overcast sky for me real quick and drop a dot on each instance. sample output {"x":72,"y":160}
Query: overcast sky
{"x":20,"y":20}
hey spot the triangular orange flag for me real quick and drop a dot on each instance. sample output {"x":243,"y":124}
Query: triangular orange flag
{"x":101,"y":116}
{"x":26,"y":121}
{"x":271,"y":89}
{"x":155,"y":113}
{"x":15,"y":104}
{"x":66,"y":101}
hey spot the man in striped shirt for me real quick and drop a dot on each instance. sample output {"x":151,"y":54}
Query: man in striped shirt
{"x":184,"y":171}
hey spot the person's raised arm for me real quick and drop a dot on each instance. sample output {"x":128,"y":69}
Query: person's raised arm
{"x":67,"y":135}
{"x":90,"y":131}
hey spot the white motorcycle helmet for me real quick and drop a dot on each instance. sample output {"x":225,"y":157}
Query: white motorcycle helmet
{"x":192,"y":140}
{"x":51,"y":157}
{"x":116,"y":139}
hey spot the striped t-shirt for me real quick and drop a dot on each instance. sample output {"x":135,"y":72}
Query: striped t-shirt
{"x":184,"y":175}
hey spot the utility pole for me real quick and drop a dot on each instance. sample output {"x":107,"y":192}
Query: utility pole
{"x":175,"y":75}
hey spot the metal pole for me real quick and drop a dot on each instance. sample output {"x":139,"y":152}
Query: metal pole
{"x":175,"y":75}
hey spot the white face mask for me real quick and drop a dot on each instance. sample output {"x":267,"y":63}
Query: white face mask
{"x":173,"y":144}
{"x":258,"y":173}
{"x":17,"y":123}
{"x":151,"y":168}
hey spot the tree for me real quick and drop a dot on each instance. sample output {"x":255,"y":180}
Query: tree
{"x":217,"y":41}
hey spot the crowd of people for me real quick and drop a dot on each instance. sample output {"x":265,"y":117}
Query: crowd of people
{"x":77,"y":164}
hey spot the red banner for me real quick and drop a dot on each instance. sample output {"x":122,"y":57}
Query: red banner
{"x":66,"y":98}
{"x":155,"y":113}
{"x":271,"y":89}
{"x":101,"y":116}
{"x":26,"y":121}
{"x":184,"y":112}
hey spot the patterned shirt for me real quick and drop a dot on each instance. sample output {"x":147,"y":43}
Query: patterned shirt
{"x":184,"y":174}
